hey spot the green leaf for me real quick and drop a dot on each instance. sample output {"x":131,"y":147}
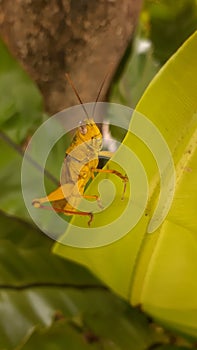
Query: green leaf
{"x":139,"y":71}
{"x":171,"y":23}
{"x":21,"y":111}
{"x":158,"y":271}
{"x":170,"y":347}
{"x":65,"y":317}
{"x":47,"y":301}
{"x":31,"y":262}
{"x":21,"y":105}
{"x":173,"y":262}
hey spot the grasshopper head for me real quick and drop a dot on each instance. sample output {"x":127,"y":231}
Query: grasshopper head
{"x":90,"y":133}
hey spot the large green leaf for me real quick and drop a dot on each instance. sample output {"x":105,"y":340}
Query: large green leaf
{"x":51,"y":318}
{"x":167,"y":287}
{"x":31,"y":262}
{"x":50,"y":303}
{"x":158,"y":270}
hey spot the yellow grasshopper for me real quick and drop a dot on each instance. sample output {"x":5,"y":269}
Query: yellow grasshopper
{"x":80,"y":165}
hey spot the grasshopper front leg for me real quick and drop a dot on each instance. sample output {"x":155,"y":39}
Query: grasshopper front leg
{"x":94,"y":196}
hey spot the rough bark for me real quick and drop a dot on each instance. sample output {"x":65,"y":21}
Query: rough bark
{"x":82,"y":37}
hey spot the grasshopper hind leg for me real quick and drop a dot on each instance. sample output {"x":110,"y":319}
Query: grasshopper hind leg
{"x":61,"y":206}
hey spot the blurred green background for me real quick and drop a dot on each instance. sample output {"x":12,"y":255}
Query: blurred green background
{"x":45,"y":301}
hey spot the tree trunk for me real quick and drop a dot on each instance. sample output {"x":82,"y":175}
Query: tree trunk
{"x":82,"y":37}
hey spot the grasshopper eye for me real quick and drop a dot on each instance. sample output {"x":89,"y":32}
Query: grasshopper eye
{"x":83,"y":129}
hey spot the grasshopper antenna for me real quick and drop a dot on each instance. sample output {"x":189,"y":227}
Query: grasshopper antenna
{"x":99,"y":92}
{"x":76,"y":93}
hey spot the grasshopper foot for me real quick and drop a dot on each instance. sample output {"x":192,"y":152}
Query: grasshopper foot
{"x":101,"y":206}
{"x":125,"y":180}
{"x":91,"y":218}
